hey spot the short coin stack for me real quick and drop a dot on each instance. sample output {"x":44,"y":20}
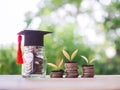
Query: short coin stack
{"x":71,"y":70}
{"x":88,"y":71}
{"x":57,"y":74}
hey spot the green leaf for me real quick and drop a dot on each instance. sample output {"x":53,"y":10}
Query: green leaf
{"x":84,"y":58}
{"x":74,"y":54}
{"x":60,"y":64}
{"x":92,"y":60}
{"x":66,"y":55}
{"x":52,"y":65}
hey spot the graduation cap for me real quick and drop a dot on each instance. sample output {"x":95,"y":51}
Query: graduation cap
{"x":31,"y":38}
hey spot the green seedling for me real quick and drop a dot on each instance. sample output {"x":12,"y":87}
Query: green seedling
{"x":70,"y":58}
{"x":56,"y":66}
{"x":89,"y":62}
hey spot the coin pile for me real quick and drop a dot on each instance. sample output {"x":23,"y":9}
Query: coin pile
{"x":33,"y":60}
{"x":28,"y":60}
{"x":71,"y":70}
{"x":57,"y":74}
{"x":88,"y":71}
{"x":38,"y":65}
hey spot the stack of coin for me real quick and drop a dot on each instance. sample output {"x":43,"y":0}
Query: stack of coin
{"x":71,"y":70}
{"x":38,"y":65}
{"x":57,"y":74}
{"x":38,"y":60}
{"x":88,"y":71}
{"x":28,"y":63}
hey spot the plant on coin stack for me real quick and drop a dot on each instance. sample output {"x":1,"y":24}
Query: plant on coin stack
{"x":88,"y":70}
{"x":70,"y":58}
{"x":71,"y":66}
{"x":57,"y":72}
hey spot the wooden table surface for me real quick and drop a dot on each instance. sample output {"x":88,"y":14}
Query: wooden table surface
{"x":99,"y":82}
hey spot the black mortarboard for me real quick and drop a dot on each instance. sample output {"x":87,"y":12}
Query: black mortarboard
{"x":33,"y":37}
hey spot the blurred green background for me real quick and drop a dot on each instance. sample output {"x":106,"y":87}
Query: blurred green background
{"x":92,"y":26}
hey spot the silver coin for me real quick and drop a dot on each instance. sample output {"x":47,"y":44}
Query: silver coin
{"x":28,"y":57}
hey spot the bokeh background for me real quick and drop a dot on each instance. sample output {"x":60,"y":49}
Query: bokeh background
{"x":91,"y":26}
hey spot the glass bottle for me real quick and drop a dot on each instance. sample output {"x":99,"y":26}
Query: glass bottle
{"x":34,"y":62}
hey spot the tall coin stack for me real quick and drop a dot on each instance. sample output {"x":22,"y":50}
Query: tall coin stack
{"x":71,"y":70}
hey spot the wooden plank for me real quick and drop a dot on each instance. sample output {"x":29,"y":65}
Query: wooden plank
{"x":99,"y":82}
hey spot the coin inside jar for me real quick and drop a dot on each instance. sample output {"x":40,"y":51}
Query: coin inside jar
{"x":28,"y":57}
{"x":28,"y":63}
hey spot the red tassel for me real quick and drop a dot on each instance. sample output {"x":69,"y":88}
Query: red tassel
{"x":19,"y":53}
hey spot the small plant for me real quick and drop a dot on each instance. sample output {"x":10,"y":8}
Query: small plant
{"x":89,"y":62}
{"x":71,"y":67}
{"x":56,"y":67}
{"x":88,"y":70}
{"x":70,"y":58}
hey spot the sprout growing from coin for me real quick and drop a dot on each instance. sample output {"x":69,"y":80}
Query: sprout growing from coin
{"x":70,"y":58}
{"x":88,"y":61}
{"x":56,"y":66}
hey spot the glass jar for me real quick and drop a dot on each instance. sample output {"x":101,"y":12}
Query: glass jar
{"x":34,"y":62}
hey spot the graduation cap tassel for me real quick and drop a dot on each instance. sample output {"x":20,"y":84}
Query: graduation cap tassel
{"x":19,"y":53}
